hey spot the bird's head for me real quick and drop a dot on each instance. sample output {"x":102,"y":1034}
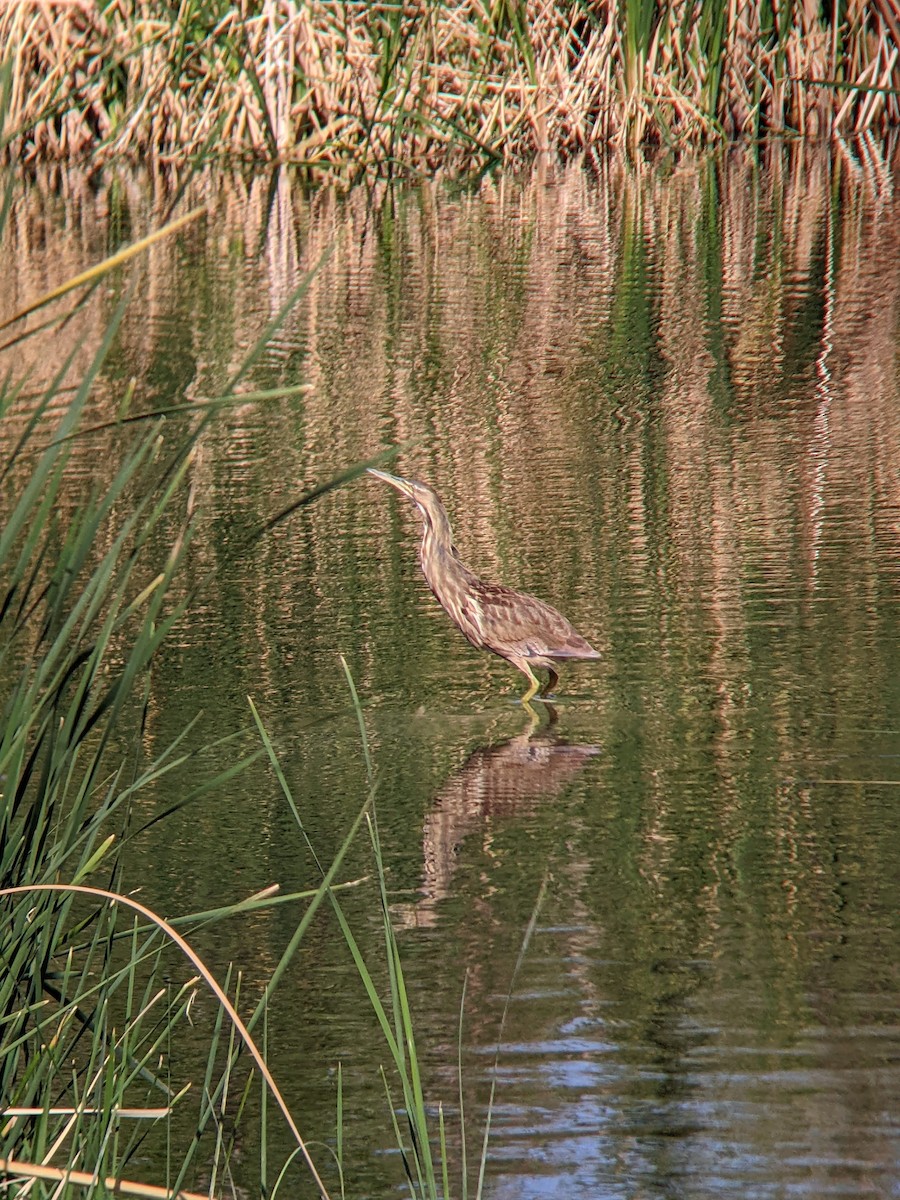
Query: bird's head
{"x":426,"y":501}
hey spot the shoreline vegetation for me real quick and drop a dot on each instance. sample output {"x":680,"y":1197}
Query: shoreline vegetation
{"x":105,"y":1074}
{"x":427,"y":84}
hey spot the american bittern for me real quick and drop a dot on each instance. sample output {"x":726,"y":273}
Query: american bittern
{"x":522,"y":629}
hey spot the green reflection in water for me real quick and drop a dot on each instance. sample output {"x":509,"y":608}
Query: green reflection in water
{"x":668,"y":404}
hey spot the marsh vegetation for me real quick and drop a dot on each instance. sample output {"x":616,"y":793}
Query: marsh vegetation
{"x":461,"y":84}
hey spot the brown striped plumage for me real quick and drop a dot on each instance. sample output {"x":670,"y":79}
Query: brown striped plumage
{"x":522,"y":629}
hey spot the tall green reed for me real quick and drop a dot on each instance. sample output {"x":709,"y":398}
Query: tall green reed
{"x":90,"y":593}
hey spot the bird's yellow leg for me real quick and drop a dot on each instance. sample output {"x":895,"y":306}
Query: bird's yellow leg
{"x":535,"y":683}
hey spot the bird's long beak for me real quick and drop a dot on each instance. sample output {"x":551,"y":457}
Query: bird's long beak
{"x":395,"y":481}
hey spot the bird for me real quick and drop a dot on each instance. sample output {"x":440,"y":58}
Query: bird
{"x":525,"y":631}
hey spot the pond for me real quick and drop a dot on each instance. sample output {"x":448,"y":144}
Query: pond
{"x":666,"y":400}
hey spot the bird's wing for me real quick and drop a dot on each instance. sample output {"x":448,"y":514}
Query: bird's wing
{"x":514,"y":621}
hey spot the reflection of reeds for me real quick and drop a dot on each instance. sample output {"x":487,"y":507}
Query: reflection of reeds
{"x":453,"y":82}
{"x":632,"y":349}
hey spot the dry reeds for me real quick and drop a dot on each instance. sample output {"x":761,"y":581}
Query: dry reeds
{"x":423,"y":83}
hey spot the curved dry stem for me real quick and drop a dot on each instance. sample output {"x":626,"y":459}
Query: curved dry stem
{"x":118,"y":1187}
{"x":210,"y":981}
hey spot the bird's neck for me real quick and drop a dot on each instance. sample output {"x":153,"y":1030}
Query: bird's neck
{"x":440,"y":559}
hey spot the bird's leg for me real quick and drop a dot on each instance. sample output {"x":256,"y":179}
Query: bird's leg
{"x":535,"y":682}
{"x":552,"y":681}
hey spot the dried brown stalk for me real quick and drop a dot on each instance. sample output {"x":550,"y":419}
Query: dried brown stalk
{"x":454,"y":82}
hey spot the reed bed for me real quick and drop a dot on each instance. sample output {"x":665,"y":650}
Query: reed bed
{"x":89,"y":1012}
{"x":426,"y":83}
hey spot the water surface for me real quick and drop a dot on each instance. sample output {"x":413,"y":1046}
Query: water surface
{"x":667,"y":401}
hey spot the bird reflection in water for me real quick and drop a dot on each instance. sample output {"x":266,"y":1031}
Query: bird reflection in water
{"x":499,"y":781}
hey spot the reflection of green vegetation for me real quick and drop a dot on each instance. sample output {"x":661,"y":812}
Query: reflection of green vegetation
{"x":632,"y":360}
{"x":709,"y":247}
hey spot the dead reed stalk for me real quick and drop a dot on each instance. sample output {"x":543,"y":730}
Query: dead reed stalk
{"x":428,"y":83}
